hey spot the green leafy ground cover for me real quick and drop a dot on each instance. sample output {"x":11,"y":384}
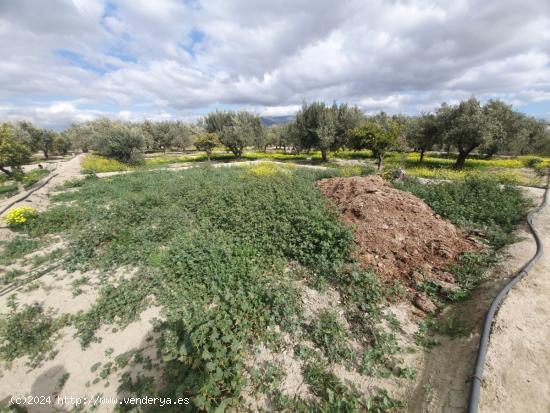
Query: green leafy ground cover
{"x":221,"y":251}
{"x":480,"y":206}
{"x":213,"y":246}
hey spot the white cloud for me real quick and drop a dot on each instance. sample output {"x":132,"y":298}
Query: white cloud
{"x":71,"y":60}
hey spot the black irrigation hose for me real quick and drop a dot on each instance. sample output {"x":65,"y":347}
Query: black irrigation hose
{"x":14,"y":286}
{"x":489,"y":318}
{"x":25,"y":196}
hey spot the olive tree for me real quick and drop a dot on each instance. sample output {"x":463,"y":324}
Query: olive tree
{"x":207,"y":142}
{"x":241,"y":131}
{"x":13,"y":153}
{"x":61,"y":144}
{"x":326,"y":132}
{"x":467,"y":127}
{"x":214,"y":122}
{"x":38,"y":139}
{"x":324,"y":128}
{"x":509,"y":124}
{"x":261,"y":138}
{"x":423,"y":133}
{"x":121,"y":141}
{"x":46,"y":141}
{"x":377,"y":134}
{"x":158,"y":136}
{"x":182,"y":135}
{"x":80,"y":135}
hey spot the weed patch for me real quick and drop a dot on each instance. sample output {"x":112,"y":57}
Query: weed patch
{"x":10,"y":276}
{"x":217,"y":269}
{"x":475,"y":204}
{"x":18,"y":248}
{"x":32,"y":177}
{"x":28,"y":331}
{"x":96,"y":164}
{"x":330,"y":336}
{"x":7,"y":190}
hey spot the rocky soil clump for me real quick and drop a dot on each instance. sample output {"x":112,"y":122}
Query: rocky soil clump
{"x":397,"y":234}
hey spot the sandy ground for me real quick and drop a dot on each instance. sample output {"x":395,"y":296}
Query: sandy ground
{"x":64,"y":170}
{"x":517,"y":372}
{"x":54,"y":291}
{"x":443,"y":383}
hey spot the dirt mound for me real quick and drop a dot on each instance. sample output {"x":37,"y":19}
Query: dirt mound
{"x":397,"y":233}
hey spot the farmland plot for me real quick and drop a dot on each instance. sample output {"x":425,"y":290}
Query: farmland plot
{"x":232,"y":287}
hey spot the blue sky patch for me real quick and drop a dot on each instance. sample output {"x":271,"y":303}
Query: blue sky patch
{"x":76,"y":59}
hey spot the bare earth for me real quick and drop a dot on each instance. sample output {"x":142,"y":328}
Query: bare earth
{"x":517,"y":373}
{"x":65,"y":170}
{"x":55,"y":292}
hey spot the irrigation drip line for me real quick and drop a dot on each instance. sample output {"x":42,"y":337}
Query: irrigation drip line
{"x":29,"y":193}
{"x":16,"y":285}
{"x":473,"y":403}
{"x":32,"y":277}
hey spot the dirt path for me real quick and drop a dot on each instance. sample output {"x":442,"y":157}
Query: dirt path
{"x":444,"y":383}
{"x":65,"y":170}
{"x":517,"y":372}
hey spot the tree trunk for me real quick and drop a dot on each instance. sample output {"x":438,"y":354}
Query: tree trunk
{"x":422,"y":155}
{"x":379,"y":161}
{"x":6,"y":171}
{"x":323,"y":155}
{"x":45,"y":153}
{"x":461,"y":159}
{"x":490,"y":153}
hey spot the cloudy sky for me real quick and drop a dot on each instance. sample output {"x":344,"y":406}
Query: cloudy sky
{"x":73,"y":60}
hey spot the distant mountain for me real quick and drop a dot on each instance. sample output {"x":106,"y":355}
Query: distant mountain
{"x":275,"y":120}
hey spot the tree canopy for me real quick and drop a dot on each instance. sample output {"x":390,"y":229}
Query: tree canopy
{"x":13,"y":153}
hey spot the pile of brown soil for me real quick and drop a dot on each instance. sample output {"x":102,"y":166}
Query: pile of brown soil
{"x":397,"y":234}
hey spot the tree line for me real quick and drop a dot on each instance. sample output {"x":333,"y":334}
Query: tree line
{"x":464,"y":128}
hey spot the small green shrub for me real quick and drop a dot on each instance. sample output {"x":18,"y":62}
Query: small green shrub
{"x":468,"y":271}
{"x":531,"y":161}
{"x":7,"y":190}
{"x":541,"y":168}
{"x":10,"y":276}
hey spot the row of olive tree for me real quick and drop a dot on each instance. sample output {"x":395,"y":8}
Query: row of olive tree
{"x":465,"y":127}
{"x":330,"y":128}
{"x":155,"y":136}
{"x":488,"y":129}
